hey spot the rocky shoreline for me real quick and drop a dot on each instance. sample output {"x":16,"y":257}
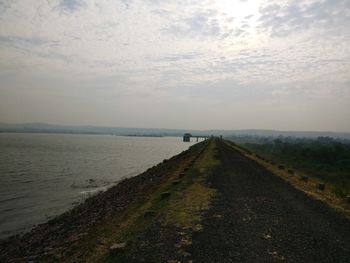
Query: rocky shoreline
{"x":54,"y":240}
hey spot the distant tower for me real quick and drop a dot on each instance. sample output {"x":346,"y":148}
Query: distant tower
{"x":187,"y":137}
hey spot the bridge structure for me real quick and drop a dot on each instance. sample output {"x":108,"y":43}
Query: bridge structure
{"x":187,"y":137}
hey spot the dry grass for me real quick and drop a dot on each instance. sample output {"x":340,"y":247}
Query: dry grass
{"x":185,"y":208}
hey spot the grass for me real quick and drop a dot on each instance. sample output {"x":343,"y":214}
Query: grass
{"x":333,"y":195}
{"x":185,"y":208}
{"x":324,"y":158}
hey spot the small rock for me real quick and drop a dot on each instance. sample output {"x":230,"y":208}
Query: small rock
{"x":117,"y":247}
{"x":176,"y":182}
{"x":281,"y":167}
{"x":149,"y":213}
{"x":77,"y":237}
{"x":186,"y":241}
{"x":304,"y":178}
{"x":197,"y":228}
{"x":348,"y":199}
{"x":164,"y":195}
{"x":186,"y":254}
{"x":217,"y":216}
{"x":321,"y":187}
{"x":266,"y":236}
{"x":276,"y":255}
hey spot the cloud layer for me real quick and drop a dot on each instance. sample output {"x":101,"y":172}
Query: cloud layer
{"x":281,"y":64}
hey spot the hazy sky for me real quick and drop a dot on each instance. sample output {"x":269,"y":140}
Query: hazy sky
{"x":219,"y":64}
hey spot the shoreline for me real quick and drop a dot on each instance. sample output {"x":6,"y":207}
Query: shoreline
{"x":43,"y":174}
{"x":60,"y":234}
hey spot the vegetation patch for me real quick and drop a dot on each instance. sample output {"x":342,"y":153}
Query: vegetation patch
{"x":323,"y":158}
{"x":185,"y":208}
{"x":334,"y":191}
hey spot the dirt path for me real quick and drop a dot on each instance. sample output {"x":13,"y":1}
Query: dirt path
{"x":257,"y":217}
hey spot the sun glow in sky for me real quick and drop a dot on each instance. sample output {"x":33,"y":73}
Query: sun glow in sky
{"x":244,"y":13}
{"x":278,"y":64}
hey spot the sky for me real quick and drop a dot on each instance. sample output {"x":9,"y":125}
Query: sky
{"x":219,"y":64}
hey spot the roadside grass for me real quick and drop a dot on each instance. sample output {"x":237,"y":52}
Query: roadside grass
{"x":324,"y":159}
{"x":337,"y":180}
{"x":185,"y":208}
{"x":335,"y":189}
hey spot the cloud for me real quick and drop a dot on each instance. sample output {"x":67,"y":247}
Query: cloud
{"x":199,"y":20}
{"x":281,"y":20}
{"x":25,"y":41}
{"x":198,"y":24}
{"x":4,"y":5}
{"x":234,"y":56}
{"x":180,"y":56}
{"x":71,"y":5}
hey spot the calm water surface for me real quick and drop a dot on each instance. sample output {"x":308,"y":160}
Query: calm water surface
{"x":43,"y":175}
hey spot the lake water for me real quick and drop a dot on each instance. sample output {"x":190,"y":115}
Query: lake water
{"x":44,"y":175}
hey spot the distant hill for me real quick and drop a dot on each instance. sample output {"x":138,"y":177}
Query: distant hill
{"x":52,"y":128}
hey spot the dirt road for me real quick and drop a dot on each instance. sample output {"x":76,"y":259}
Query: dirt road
{"x":257,"y":217}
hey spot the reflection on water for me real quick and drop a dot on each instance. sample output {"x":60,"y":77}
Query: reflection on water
{"x":43,"y":175}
